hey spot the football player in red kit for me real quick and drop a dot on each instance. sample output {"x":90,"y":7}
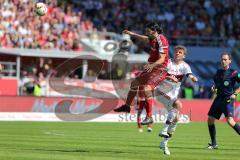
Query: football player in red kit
{"x":154,"y":72}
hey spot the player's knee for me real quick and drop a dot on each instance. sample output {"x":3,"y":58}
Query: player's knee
{"x":172,"y":115}
{"x":148,"y":91}
{"x":231,"y":121}
{"x":147,"y":88}
{"x":176,"y":119}
{"x":177,"y":104}
{"x":211,"y":120}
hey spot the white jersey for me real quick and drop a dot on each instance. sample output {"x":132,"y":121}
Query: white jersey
{"x":178,"y":70}
{"x":167,"y":92}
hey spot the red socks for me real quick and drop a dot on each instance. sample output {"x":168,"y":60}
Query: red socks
{"x":149,"y":107}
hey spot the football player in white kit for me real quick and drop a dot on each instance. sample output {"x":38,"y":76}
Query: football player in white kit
{"x":168,"y":91}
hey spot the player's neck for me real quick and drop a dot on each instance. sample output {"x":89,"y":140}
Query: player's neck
{"x":156,"y":35}
{"x":178,"y":61}
{"x":226,"y":68}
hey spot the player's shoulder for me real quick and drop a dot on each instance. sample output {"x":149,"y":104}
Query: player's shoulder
{"x":185,"y":64}
{"x":162,"y":36}
{"x":162,"y":39}
{"x":234,"y":72}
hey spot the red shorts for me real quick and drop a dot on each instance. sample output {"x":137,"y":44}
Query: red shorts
{"x":152,"y":78}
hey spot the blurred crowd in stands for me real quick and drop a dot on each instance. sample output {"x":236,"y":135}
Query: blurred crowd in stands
{"x":67,"y":21}
{"x":199,"y":18}
{"x":59,"y":29}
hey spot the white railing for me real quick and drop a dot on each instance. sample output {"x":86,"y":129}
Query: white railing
{"x":204,"y":41}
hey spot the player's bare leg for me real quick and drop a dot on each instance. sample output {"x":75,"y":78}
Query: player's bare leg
{"x":131,"y":94}
{"x":233,"y":124}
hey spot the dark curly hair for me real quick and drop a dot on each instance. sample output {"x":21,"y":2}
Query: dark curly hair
{"x":155,"y":27}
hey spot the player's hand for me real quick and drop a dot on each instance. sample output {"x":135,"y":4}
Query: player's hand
{"x":214,"y":89}
{"x":233,"y":97}
{"x":172,"y":78}
{"x":127,"y":32}
{"x":148,"y":67}
{"x":194,"y":79}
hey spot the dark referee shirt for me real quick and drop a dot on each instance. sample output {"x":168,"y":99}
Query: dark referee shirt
{"x":225,"y":81}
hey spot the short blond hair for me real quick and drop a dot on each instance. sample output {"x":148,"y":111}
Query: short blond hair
{"x":181,"y":47}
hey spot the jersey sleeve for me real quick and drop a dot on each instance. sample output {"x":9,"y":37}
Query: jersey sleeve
{"x":187,"y":70}
{"x":162,"y":44}
{"x":237,"y":76}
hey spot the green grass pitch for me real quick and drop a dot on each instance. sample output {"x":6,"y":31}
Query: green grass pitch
{"x":111,"y":141}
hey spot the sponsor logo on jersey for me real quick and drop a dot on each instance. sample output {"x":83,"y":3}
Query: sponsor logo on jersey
{"x":226,"y":83}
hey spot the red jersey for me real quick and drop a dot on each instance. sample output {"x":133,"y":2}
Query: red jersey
{"x":159,"y":46}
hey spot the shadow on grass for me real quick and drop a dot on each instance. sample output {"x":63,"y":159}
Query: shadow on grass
{"x":73,"y":150}
{"x":204,"y":148}
{"x":145,"y":146}
{"x":183,"y":147}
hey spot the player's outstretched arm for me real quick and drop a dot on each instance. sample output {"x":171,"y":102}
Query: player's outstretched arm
{"x":193,"y":78}
{"x":137,"y":36}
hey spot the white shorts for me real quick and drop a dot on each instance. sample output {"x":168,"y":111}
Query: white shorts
{"x":167,"y":93}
